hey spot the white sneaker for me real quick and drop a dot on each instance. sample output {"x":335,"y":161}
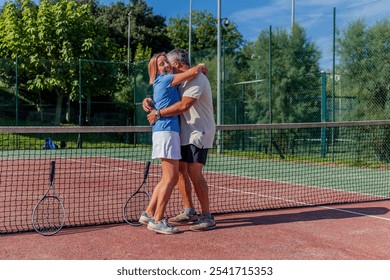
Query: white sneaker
{"x":162,"y":227}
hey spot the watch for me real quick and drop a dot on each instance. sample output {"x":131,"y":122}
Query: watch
{"x":157,"y":114}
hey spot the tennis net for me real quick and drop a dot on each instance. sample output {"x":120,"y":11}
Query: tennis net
{"x":250,"y":168}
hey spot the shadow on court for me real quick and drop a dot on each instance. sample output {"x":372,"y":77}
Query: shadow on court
{"x":304,"y":216}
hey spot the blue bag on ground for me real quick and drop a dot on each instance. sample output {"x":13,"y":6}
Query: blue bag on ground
{"x":49,"y":145}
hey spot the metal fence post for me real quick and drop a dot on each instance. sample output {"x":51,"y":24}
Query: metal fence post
{"x":323,"y":113}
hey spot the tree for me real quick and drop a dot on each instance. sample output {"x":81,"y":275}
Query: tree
{"x":147,"y":30}
{"x":51,"y":38}
{"x":295,"y":78}
{"x":365,"y":67}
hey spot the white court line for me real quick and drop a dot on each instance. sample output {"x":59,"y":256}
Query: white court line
{"x":305,"y":204}
{"x":113,"y":167}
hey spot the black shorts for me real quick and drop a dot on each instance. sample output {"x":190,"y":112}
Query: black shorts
{"x":192,"y":154}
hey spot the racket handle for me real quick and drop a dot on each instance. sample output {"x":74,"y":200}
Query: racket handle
{"x":146,"y":170}
{"x":52,"y":170}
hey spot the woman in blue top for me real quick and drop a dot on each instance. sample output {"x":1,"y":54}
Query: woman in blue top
{"x":166,"y":139}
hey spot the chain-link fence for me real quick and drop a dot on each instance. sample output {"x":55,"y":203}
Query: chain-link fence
{"x":283,"y":77}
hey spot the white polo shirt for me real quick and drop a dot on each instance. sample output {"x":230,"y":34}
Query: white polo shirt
{"x":197,"y":124}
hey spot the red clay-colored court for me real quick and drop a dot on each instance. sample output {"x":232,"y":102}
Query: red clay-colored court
{"x":338,"y":232}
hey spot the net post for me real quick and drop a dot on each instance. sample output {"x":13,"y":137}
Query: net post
{"x":16,"y":98}
{"x":270,"y":90}
{"x":79,"y":138}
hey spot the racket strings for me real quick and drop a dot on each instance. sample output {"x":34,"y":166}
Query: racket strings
{"x":49,"y":215}
{"x":136,"y":204}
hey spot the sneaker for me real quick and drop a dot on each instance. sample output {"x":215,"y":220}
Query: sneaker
{"x":162,"y":227}
{"x":185,"y":217}
{"x":145,"y":218}
{"x":204,"y":223}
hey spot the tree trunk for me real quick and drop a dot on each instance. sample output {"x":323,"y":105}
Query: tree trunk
{"x":67,"y":117}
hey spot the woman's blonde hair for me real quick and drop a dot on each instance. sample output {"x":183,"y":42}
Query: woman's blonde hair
{"x":153,"y":67}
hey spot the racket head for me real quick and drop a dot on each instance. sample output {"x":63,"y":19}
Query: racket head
{"x":48,"y":215}
{"x":137,"y":203}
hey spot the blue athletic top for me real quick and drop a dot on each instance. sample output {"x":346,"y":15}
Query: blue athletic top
{"x":165,"y":95}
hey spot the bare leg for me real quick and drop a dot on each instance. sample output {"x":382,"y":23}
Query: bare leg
{"x":200,"y":185}
{"x":153,"y":200}
{"x":184,"y":185}
{"x":170,"y":171}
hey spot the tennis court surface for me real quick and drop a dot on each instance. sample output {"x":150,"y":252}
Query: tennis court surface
{"x":348,"y":232}
{"x":303,"y":191}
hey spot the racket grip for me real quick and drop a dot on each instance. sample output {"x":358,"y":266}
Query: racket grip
{"x":52,"y":170}
{"x":146,"y":170}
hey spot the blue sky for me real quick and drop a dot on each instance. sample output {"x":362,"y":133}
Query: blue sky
{"x":252,"y":16}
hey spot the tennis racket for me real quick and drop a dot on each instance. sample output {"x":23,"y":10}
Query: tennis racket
{"x":48,"y":216}
{"x":137,"y":202}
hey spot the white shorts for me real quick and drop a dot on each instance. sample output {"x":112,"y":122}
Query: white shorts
{"x":166,"y":144}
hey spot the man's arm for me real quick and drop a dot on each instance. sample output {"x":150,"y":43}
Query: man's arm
{"x":173,"y":110}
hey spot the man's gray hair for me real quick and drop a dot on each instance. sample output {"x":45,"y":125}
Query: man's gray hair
{"x":179,"y":55}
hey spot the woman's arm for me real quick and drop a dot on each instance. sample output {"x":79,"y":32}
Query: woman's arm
{"x":187,"y":75}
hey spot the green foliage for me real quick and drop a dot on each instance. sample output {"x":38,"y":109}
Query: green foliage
{"x":365,"y":67}
{"x":178,"y":32}
{"x":50,"y":39}
{"x":146,"y":29}
{"x":142,"y":53}
{"x":295,"y":78}
{"x":11,"y":31}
